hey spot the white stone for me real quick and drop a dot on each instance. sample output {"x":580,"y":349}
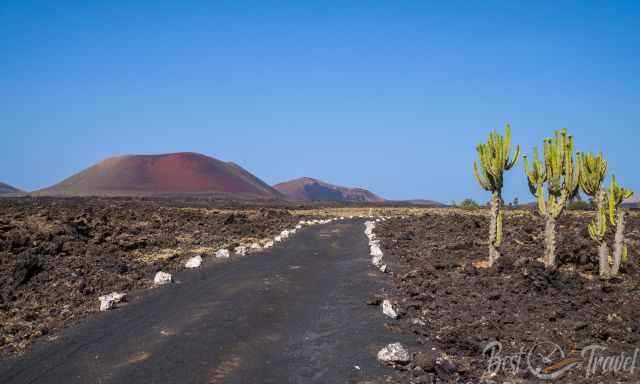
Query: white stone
{"x":108,"y":301}
{"x":369,"y":226}
{"x":277,"y":239}
{"x":255,"y":246}
{"x":384,"y":268}
{"x":418,"y":322}
{"x":162,"y":278}
{"x":387,"y":309}
{"x":284,"y":234}
{"x":298,"y":226}
{"x":240,"y":250}
{"x":375,"y":250}
{"x":377,"y":261}
{"x":194,"y":262}
{"x":394,"y":353}
{"x":268,"y":244}
{"x":223,"y":254}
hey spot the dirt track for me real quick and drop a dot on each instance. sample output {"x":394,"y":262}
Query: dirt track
{"x":294,"y":314}
{"x":58,"y":255}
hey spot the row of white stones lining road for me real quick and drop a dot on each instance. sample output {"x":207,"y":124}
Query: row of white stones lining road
{"x":161,"y":278}
{"x":396,"y":352}
{"x":374,"y":244}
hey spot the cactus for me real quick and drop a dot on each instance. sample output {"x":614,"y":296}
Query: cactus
{"x":593,"y":170}
{"x":561,"y":176}
{"x":495,"y":158}
{"x":617,"y":195}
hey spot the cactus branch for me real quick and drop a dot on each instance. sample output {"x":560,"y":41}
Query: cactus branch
{"x":617,"y":195}
{"x":495,"y":158}
{"x":558,"y":171}
{"x":593,"y":170}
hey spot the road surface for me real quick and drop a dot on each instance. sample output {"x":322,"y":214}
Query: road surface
{"x":294,"y":314}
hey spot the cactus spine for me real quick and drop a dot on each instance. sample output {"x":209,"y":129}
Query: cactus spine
{"x":561,"y":176}
{"x":495,"y":158}
{"x":617,"y":195}
{"x":593,"y":170}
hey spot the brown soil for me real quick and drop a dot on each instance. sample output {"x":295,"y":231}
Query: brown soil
{"x":58,"y":255}
{"x":449,"y":300}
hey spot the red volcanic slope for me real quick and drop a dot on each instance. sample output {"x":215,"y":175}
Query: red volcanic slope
{"x":183,"y":172}
{"x":308,"y":189}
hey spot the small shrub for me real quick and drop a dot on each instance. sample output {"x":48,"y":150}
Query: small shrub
{"x":579,"y":206}
{"x":469,"y":204}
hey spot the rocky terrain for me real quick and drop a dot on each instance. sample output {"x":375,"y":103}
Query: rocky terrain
{"x":455,"y":307}
{"x":57,"y":256}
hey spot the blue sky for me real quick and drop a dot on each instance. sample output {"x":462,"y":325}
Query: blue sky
{"x":391,"y":96}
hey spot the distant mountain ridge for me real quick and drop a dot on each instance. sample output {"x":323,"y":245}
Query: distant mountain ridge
{"x":173,"y":173}
{"x":633,"y":201}
{"x":6,"y":188}
{"x":308,"y":189}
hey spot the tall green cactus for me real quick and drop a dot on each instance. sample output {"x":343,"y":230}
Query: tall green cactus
{"x":561,"y":177}
{"x":593,"y":170}
{"x":495,"y":158}
{"x":617,"y":195}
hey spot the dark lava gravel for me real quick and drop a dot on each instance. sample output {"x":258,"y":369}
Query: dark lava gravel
{"x":58,"y":255}
{"x":447,"y":302}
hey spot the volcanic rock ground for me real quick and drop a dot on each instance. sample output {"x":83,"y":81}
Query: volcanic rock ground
{"x":444,"y":300}
{"x":58,"y":255}
{"x":297,"y":313}
{"x":293,"y":314}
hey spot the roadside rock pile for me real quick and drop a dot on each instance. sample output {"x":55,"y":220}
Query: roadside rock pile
{"x":193,"y":262}
{"x":374,"y":245}
{"x":109,"y":301}
{"x":394,"y":354}
{"x":223,"y":254}
{"x":388,"y":310}
{"x":241,"y":250}
{"x":162,"y":278}
{"x":257,"y":246}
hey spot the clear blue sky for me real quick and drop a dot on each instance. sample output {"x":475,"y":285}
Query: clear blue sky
{"x":387,"y":95}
